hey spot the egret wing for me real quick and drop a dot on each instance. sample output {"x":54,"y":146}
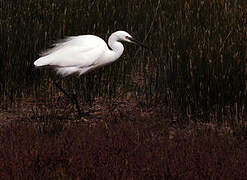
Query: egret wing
{"x":80,"y":51}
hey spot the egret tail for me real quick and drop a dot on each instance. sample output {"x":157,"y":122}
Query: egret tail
{"x":43,"y":61}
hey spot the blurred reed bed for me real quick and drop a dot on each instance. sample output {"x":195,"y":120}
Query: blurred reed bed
{"x":126,"y":150}
{"x":197,"y":67}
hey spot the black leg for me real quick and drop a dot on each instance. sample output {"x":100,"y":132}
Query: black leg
{"x":73,"y":98}
{"x":61,"y":89}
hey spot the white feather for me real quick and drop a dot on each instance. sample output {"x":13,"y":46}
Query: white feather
{"x":80,"y":54}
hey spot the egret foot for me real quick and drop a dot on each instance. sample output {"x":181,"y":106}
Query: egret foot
{"x":72,"y":97}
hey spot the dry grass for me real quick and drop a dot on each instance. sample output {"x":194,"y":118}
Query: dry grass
{"x":123,"y":149}
{"x":197,"y":66}
{"x":176,"y":112}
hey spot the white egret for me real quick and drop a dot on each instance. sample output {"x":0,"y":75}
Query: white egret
{"x":81,"y":54}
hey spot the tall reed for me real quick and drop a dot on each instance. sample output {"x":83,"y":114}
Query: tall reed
{"x":197,"y":67}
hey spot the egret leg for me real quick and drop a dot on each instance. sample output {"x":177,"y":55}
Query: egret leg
{"x":73,"y":98}
{"x":61,"y":89}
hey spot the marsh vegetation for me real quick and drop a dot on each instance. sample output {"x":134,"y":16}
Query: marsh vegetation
{"x":196,"y":73}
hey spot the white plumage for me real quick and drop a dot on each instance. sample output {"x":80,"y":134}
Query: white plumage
{"x":80,"y":54}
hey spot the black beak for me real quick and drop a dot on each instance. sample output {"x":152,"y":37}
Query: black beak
{"x":138,"y":42}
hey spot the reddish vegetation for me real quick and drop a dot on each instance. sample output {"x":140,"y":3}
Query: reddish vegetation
{"x":196,"y":72}
{"x":121,"y":150}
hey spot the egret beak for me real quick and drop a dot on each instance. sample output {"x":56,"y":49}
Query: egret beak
{"x":138,"y":42}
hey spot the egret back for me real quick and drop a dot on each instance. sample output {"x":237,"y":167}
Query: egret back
{"x":74,"y":54}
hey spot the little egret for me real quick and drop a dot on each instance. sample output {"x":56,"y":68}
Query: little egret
{"x":81,"y":54}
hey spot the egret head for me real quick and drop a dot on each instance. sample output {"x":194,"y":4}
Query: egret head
{"x":124,"y":36}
